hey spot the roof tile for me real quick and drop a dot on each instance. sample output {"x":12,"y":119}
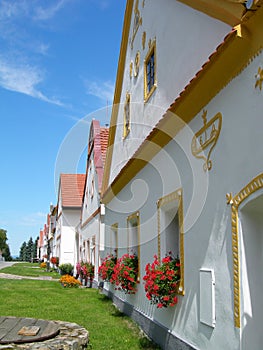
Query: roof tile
{"x":72,"y":188}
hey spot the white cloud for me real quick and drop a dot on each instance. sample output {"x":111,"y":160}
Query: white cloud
{"x":9,"y":10}
{"x":47,"y":13}
{"x":42,"y":49}
{"x":29,"y":8}
{"x":103,"y":90}
{"x":23,"y":79}
{"x":34,"y":219}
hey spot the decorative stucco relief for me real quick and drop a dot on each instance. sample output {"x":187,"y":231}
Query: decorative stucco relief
{"x":253,"y":186}
{"x":259,"y":78}
{"x":206,"y":138}
{"x":137,"y":21}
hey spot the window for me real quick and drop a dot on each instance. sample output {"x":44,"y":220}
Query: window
{"x":127,"y":119}
{"x":133,"y":226}
{"x":114,"y":240}
{"x":150,"y":72}
{"x":170,"y":229}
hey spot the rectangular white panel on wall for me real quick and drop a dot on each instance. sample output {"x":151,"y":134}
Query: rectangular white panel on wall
{"x":207,"y":297}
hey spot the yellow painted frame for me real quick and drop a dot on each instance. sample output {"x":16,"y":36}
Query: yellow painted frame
{"x":254,"y":185}
{"x":152,"y":49}
{"x":174,"y":196}
{"x":135,"y":217}
{"x":127,"y":128}
{"x":114,"y":228}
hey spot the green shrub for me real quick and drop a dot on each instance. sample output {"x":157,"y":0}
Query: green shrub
{"x":66,"y":269}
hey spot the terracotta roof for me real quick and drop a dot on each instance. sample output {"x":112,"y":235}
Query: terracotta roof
{"x":98,"y":144}
{"x":72,"y":188}
{"x":41,"y":239}
{"x":104,"y":135}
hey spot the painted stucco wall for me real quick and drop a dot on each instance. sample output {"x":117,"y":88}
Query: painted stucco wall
{"x":91,"y":226}
{"x":69,"y":220}
{"x":91,"y":195}
{"x":185,"y":38}
{"x":236,"y":159}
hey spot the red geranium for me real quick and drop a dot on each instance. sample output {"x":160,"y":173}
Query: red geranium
{"x":55,"y":260}
{"x":107,"y":266}
{"x":125,"y":273}
{"x":161,"y":281}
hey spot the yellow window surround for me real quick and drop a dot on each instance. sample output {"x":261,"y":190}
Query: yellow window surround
{"x":133,"y":220}
{"x":176,"y":196}
{"x":151,"y":53}
{"x":253,"y":186}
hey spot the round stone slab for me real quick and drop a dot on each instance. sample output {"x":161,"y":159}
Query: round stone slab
{"x":26,"y":330}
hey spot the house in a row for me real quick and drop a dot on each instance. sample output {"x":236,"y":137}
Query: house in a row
{"x":183,"y":171}
{"x":91,"y":226}
{"x":69,"y":203}
{"x":76,"y":223}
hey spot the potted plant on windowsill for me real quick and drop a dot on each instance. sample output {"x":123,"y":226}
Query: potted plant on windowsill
{"x":86,"y":273}
{"x":125,"y":273}
{"x":162,"y":281}
{"x":107,"y":267}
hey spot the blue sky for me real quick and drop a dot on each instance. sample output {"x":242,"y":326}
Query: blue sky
{"x":58,"y":63}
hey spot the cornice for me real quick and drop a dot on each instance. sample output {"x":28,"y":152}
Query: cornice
{"x":117,"y":93}
{"x":230,"y":12}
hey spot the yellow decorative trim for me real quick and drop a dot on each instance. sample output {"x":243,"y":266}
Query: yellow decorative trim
{"x":127,"y":116}
{"x":259,"y":78}
{"x":230,"y":12}
{"x":143,"y":3}
{"x":137,"y":21}
{"x":135,"y":218}
{"x":202,"y":141}
{"x":143,"y":40}
{"x":152,"y":50}
{"x":137,"y":63}
{"x":174,"y":196}
{"x":229,"y":198}
{"x":131,"y":68}
{"x":253,"y":186}
{"x":117,"y":93}
{"x":114,"y":228}
{"x":214,"y":76}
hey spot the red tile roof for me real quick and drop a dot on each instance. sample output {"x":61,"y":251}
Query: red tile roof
{"x":104,"y":135}
{"x":98,"y":144}
{"x":72,"y":188}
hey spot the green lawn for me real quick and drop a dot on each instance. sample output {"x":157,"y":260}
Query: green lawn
{"x":28,"y":269}
{"x":108,"y":328}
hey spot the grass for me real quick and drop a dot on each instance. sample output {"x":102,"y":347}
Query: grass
{"x":108,"y":327}
{"x":29,"y":269}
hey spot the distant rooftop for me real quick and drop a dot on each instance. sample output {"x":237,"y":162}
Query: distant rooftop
{"x":72,"y":188}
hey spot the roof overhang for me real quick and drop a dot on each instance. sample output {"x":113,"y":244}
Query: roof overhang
{"x":228,"y":11}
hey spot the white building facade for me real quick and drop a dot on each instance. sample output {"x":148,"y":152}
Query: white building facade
{"x":91,"y":228}
{"x":68,"y":216}
{"x":184,"y":167}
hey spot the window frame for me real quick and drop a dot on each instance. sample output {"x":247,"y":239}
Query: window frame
{"x":131,"y":220}
{"x":148,"y":92}
{"x":114,"y":231}
{"x":177,"y":197}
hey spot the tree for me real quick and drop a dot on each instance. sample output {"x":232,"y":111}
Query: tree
{"x":4,"y":247}
{"x":6,"y":253}
{"x":35,"y":246}
{"x":3,"y":239}
{"x":29,"y":250}
{"x":22,"y":253}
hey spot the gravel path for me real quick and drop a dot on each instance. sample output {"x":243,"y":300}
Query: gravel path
{"x":16,"y":277}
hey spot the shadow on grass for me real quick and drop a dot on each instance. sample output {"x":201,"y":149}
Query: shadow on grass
{"x":143,"y":341}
